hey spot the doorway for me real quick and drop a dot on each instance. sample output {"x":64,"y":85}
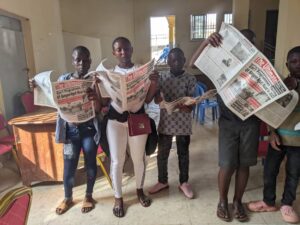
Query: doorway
{"x":270,"y":34}
{"x":14,"y":78}
{"x":162,"y":37}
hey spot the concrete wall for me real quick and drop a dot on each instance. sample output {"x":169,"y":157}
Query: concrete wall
{"x":45,"y":22}
{"x":258,"y":9}
{"x":103,"y":19}
{"x":288,"y":33}
{"x":144,"y":9}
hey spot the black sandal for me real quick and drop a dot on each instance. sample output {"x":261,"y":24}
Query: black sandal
{"x":143,"y":199}
{"x":118,"y":209}
{"x":223,"y":212}
{"x":239,"y":212}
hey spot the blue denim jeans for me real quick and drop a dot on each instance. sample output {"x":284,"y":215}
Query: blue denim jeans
{"x":271,"y":170}
{"x":81,"y":138}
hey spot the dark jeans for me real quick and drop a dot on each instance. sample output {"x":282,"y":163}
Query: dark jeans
{"x":164,"y":147}
{"x":271,"y":170}
{"x":82,"y":138}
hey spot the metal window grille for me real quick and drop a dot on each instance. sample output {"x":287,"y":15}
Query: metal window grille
{"x":203,"y":25}
{"x":228,"y":18}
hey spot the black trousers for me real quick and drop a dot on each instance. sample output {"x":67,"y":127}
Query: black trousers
{"x":164,"y":147}
{"x":271,"y":170}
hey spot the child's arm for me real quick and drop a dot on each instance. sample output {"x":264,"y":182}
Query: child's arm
{"x":274,"y":139}
{"x":215,"y":39}
{"x":153,"y":86}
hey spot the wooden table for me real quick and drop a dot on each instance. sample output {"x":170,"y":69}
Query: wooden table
{"x":40,"y":158}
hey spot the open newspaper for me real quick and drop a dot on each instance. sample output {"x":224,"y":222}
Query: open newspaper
{"x":69,"y":97}
{"x":173,"y":106}
{"x":127,"y":91}
{"x":245,"y":79}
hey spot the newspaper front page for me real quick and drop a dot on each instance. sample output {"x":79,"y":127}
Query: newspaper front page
{"x":127,"y":91}
{"x":72,"y":100}
{"x":245,"y":79}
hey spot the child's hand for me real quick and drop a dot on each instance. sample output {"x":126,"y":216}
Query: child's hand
{"x":291,"y":83}
{"x":153,"y":77}
{"x":215,"y":39}
{"x":32,"y":84}
{"x":274,"y":140}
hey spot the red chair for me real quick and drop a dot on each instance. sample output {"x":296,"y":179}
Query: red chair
{"x":7,"y":141}
{"x":263,"y":143}
{"x":15,"y":206}
{"x":27,"y":100}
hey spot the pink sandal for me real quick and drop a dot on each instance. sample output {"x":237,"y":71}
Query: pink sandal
{"x":260,"y":206}
{"x":288,"y":214}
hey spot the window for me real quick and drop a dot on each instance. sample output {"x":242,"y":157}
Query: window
{"x":203,"y":25}
{"x":228,"y":18}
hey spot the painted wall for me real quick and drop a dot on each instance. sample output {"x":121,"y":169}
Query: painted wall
{"x":103,"y":19}
{"x":46,"y":31}
{"x":144,"y":9}
{"x":73,"y":40}
{"x":288,"y":34}
{"x":258,"y":10}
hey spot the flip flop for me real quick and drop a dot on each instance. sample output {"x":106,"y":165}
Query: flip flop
{"x":64,"y":206}
{"x":144,"y":200}
{"x":223,"y":212}
{"x":239,"y":212}
{"x":157,"y":188}
{"x":88,"y":205}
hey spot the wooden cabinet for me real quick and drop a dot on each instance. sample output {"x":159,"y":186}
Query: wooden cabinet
{"x":40,"y":158}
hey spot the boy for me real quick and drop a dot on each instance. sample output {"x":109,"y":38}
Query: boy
{"x":284,"y":141}
{"x":238,"y":143}
{"x":117,"y":131}
{"x":76,"y":137}
{"x":174,"y":84}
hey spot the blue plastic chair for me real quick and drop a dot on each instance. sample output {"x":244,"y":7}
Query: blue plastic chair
{"x":199,"y":110}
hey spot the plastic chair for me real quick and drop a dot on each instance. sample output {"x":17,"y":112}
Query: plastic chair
{"x":7,"y":141}
{"x":200,"y":108}
{"x":27,"y":100}
{"x":15,"y":206}
{"x":263,"y":143}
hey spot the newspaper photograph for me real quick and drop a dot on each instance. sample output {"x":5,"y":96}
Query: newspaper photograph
{"x":173,"y":106}
{"x":43,"y":90}
{"x":72,"y":101}
{"x":245,"y":79}
{"x":127,"y":91}
{"x":276,"y":113}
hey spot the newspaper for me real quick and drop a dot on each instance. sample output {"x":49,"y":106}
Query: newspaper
{"x":68,"y":97}
{"x":72,"y":100}
{"x":297,"y":126}
{"x":127,"y":91}
{"x":173,"y":106}
{"x":43,"y":90}
{"x":244,"y":78}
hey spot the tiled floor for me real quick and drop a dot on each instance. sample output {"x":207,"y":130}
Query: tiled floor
{"x":168,"y":208}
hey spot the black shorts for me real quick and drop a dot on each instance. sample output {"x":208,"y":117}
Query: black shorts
{"x":238,"y":143}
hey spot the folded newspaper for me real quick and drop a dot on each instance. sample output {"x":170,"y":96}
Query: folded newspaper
{"x":69,"y":97}
{"x":173,"y":106}
{"x":128,"y":91}
{"x":245,"y":79}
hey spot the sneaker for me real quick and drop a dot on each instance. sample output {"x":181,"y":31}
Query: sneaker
{"x":187,"y":190}
{"x":288,"y":214}
{"x":158,"y":187}
{"x":260,"y":206}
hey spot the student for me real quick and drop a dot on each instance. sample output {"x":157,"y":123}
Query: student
{"x":76,"y":137}
{"x":284,"y":141}
{"x":238,"y":143}
{"x":174,"y":84}
{"x":117,"y":132}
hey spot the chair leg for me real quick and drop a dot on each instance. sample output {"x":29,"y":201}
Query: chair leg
{"x":104,"y":170}
{"x":16,"y":158}
{"x":202,"y":115}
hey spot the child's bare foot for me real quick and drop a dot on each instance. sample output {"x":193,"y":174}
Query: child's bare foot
{"x":64,"y":206}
